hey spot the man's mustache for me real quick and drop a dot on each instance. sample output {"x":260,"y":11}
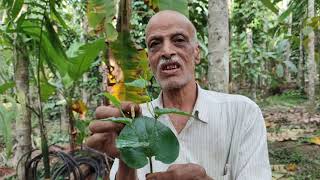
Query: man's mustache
{"x":165,"y":60}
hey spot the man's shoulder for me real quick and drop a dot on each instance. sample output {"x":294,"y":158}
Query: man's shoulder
{"x":224,"y":98}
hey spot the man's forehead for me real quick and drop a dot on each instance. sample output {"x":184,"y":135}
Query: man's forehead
{"x":166,"y":19}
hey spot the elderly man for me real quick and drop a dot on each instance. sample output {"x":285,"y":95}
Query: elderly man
{"x":228,"y":141}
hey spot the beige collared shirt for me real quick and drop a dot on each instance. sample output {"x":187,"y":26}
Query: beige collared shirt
{"x":229,"y":140}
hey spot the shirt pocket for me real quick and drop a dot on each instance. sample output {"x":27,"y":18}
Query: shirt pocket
{"x":226,"y":175}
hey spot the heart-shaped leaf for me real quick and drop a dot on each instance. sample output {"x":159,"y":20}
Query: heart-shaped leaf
{"x":145,"y":138}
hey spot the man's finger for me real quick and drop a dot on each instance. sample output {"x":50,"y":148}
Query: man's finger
{"x":105,"y":126}
{"x":160,"y":176}
{"x":127,"y":107}
{"x":95,"y":141}
{"x":106,"y":112}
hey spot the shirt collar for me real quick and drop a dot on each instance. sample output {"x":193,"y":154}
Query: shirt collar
{"x":198,"y":107}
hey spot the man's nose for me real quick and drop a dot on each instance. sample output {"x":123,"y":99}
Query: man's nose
{"x":168,"y":50}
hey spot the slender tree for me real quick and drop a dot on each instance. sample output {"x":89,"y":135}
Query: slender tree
{"x":23,"y":121}
{"x":218,"y":46}
{"x":311,"y":64}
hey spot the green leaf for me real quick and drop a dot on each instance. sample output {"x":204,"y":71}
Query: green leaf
{"x":139,"y":83}
{"x":4,"y":87}
{"x":177,"y":5}
{"x":16,"y":8}
{"x":47,"y":90}
{"x":100,"y":11}
{"x":83,"y":130}
{"x":86,"y":56}
{"x":8,"y":113}
{"x":111,"y":32}
{"x":292,"y":67}
{"x":145,"y":138}
{"x":270,"y":6}
{"x":113,"y":100}
{"x":161,"y":111}
{"x":279,"y":70}
{"x":123,"y":120}
{"x":51,"y":47}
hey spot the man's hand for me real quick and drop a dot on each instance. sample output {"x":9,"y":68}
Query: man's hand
{"x":181,"y":171}
{"x":104,"y":133}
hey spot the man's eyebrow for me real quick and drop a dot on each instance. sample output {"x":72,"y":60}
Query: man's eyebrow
{"x":152,"y":37}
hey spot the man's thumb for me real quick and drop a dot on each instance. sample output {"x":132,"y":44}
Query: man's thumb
{"x":159,"y":176}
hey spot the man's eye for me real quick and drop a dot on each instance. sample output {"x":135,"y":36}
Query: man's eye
{"x":154,"y":43}
{"x":179,"y":40}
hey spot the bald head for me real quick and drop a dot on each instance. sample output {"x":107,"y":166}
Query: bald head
{"x":169,"y":17}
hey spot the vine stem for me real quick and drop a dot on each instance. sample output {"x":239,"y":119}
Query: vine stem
{"x":150,"y":164}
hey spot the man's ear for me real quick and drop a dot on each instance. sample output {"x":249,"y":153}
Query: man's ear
{"x":197,"y":57}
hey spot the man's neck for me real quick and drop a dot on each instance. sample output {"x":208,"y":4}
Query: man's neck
{"x":183,"y":98}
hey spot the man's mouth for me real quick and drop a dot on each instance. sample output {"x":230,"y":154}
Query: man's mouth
{"x":171,"y":66}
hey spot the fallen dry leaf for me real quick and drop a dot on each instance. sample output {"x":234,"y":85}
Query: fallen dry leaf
{"x":315,"y":140}
{"x":292,"y":167}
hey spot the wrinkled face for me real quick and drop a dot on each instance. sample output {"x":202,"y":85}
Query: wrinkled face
{"x":172,"y":50}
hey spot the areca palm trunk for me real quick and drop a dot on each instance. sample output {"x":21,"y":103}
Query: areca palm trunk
{"x":23,"y":121}
{"x":218,"y":46}
{"x":311,"y":65}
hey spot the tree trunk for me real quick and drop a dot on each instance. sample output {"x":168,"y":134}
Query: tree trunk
{"x":287,"y":53}
{"x":311,"y":65}
{"x":253,"y":79}
{"x":23,"y":121}
{"x":218,"y":67}
{"x":301,"y":61}
{"x":64,"y":120}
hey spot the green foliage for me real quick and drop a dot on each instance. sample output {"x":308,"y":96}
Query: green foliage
{"x":178,"y":5}
{"x":82,"y":130}
{"x":113,"y":100}
{"x":86,"y":55}
{"x":145,"y":138}
{"x":4,"y":87}
{"x":100,"y":11}
{"x":270,"y":5}
{"x":139,"y":83}
{"x":290,"y":98}
{"x":8,"y":113}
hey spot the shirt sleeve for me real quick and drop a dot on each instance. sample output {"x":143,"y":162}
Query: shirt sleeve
{"x":114,"y":169}
{"x":253,"y":160}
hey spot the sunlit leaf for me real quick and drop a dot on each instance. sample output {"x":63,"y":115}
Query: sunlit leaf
{"x":133,"y":64}
{"x":123,"y":120}
{"x":144,"y":138}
